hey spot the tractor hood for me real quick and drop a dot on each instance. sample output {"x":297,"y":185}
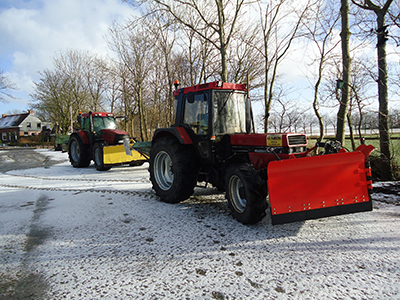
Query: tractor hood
{"x":114,"y":136}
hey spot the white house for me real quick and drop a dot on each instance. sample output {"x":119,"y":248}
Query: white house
{"x":12,"y":127}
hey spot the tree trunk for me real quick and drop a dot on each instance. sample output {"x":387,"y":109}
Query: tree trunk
{"x":320,"y":122}
{"x":267,"y":105}
{"x":384,"y":138}
{"x":345,"y":36}
{"x":224,"y":71}
{"x":353,"y":145}
{"x":383,"y":100}
{"x":222,"y":40}
{"x":315,"y":102}
{"x":142,"y":118}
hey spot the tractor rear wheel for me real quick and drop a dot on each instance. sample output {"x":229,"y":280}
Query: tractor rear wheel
{"x":78,"y":152}
{"x":246,"y":193}
{"x":98,"y":157}
{"x":173,"y":170}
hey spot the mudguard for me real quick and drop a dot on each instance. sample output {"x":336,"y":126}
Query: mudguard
{"x":319,"y":186}
{"x":179,"y":132}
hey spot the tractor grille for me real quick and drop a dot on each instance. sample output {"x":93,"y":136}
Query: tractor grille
{"x":297,"y":140}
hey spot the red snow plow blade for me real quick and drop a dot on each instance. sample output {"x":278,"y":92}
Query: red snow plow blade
{"x":320,"y":186}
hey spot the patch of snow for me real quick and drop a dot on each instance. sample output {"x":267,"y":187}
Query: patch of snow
{"x":106,"y":235}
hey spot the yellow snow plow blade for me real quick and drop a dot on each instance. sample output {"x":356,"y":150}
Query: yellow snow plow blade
{"x":118,"y":155}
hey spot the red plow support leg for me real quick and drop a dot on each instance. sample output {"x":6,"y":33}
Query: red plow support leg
{"x":319,"y":186}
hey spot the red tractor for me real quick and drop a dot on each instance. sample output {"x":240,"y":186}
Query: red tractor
{"x":212,"y":140}
{"x":100,"y":140}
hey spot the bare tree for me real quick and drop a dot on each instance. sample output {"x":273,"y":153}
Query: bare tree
{"x":79,"y":81}
{"x":114,"y":87}
{"x":320,"y":32}
{"x":275,"y":43}
{"x":286,"y":115}
{"x":360,"y":97}
{"x":394,"y":118}
{"x":5,"y":86}
{"x":96,"y":77}
{"x":135,"y":50}
{"x":200,"y":56}
{"x":244,"y":59}
{"x":307,"y":121}
{"x":164,"y":36}
{"x":53,"y":98}
{"x":219,"y":15}
{"x":72,"y":65}
{"x":346,"y":70}
{"x":381,"y":11}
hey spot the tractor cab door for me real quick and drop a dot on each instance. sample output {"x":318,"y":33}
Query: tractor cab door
{"x":196,"y":117}
{"x":98,"y":125}
{"x":86,"y":126}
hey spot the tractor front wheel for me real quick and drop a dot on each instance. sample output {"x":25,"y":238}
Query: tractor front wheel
{"x":173,"y":170}
{"x":78,"y":152}
{"x":246,"y":193}
{"x":98,"y":158}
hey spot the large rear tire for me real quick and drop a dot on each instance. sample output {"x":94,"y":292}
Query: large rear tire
{"x":78,"y":152}
{"x":98,"y":157}
{"x":173,"y":170}
{"x":246,"y":193}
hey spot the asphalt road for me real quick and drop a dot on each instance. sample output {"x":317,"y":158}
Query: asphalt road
{"x":22,"y":158}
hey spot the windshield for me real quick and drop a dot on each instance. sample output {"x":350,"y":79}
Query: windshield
{"x":229,"y":112}
{"x":100,"y":123}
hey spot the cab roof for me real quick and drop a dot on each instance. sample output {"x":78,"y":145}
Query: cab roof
{"x":98,"y":114}
{"x":216,"y":85}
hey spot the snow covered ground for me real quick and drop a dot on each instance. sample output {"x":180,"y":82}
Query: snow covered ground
{"x":83,"y":234}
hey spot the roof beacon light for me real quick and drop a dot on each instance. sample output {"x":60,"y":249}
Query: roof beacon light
{"x":176,"y":84}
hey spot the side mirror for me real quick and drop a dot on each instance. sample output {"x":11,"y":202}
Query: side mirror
{"x":125,"y":118}
{"x":190,"y":98}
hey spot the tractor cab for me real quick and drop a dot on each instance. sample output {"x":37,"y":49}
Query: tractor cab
{"x":102,"y":126}
{"x":218,"y":119}
{"x":210,"y":111}
{"x":213,"y":109}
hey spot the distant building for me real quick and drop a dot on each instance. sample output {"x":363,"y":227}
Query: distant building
{"x":12,"y":127}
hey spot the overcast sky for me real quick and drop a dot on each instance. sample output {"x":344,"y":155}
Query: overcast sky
{"x":34,"y":31}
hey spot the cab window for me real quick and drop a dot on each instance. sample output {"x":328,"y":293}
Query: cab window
{"x":196,"y":112}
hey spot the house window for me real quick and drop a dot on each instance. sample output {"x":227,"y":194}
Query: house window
{"x":39,"y":125}
{"x":28,"y":124}
{"x":4,"y":136}
{"x":26,"y":133}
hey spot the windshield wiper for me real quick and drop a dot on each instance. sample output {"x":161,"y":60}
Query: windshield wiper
{"x":226,"y":101}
